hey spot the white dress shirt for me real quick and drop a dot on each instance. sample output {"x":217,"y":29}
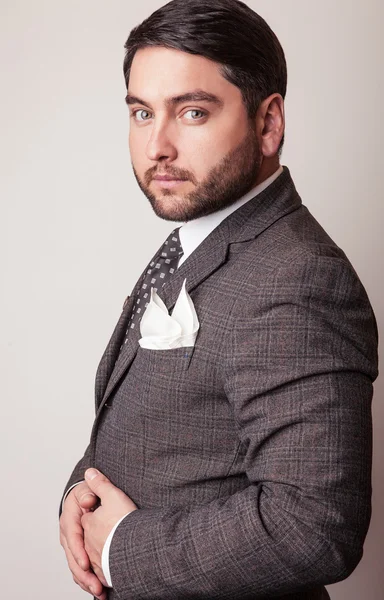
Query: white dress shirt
{"x":191,"y":233}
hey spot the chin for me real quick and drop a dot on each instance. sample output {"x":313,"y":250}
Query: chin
{"x":170,"y":210}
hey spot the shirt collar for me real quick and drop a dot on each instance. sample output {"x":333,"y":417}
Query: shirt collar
{"x":192,"y":233}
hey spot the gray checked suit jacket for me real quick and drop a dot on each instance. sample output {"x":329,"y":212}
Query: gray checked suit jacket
{"x":248,"y":454}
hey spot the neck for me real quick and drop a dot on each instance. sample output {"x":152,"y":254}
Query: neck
{"x":268,"y":167}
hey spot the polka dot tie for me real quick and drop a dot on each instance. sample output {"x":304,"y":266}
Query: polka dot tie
{"x":159,"y":271}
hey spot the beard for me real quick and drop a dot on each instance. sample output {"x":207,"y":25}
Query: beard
{"x":234,"y":176}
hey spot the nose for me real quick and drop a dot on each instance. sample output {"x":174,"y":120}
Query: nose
{"x":160,"y":144}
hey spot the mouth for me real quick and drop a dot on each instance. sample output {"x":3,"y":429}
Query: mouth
{"x":166,"y":182}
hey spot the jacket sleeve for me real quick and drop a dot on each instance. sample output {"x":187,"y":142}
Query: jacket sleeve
{"x":77,"y":474}
{"x":302,"y":356}
{"x":85,"y":462}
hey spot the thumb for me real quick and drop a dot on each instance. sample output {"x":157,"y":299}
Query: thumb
{"x":99,"y":483}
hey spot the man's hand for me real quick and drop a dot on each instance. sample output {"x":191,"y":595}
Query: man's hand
{"x":97,"y":525}
{"x":72,"y":538}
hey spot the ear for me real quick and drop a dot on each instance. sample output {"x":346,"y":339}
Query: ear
{"x":270,"y":124}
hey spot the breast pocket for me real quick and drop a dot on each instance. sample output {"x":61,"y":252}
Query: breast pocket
{"x":164,"y":362}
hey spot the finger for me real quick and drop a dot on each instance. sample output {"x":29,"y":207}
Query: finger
{"x":74,"y":536}
{"x":85,"y":497}
{"x":87,"y":580}
{"x":80,"y":584}
{"x":100,"y":575}
{"x":70,"y":526}
{"x":83,"y":578}
{"x":88,"y":500}
{"x":100,"y":484}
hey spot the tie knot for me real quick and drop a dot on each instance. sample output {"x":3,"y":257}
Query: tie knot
{"x":172,"y":246}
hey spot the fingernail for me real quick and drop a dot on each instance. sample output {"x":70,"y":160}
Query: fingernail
{"x":91,"y":473}
{"x":92,"y":591}
{"x":87,"y":495}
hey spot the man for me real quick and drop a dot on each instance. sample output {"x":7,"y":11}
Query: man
{"x":237,"y":465}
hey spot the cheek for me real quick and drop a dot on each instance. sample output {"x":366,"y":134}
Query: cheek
{"x":233,"y":133}
{"x":137,"y":152}
{"x":132,"y":144}
{"x":205,"y":152}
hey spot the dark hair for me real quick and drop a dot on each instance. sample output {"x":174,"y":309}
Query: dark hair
{"x":225,"y":31}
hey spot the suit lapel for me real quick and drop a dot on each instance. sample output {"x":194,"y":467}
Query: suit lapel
{"x":207,"y":257}
{"x":111,"y":352}
{"x":277,"y":200}
{"x":248,"y":221}
{"x":112,"y":356}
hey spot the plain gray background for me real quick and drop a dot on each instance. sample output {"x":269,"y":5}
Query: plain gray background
{"x":72,"y":217}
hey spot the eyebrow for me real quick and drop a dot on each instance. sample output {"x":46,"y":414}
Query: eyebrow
{"x":195,"y":96}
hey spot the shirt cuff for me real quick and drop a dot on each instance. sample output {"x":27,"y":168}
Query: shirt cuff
{"x":67,"y":492}
{"x":105,"y":552}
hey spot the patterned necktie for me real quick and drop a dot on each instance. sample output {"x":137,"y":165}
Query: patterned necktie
{"x":158,"y":273}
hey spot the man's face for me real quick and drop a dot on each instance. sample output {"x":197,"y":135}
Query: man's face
{"x":211,"y":147}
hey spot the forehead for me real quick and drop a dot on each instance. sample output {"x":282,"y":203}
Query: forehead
{"x":158,"y":71}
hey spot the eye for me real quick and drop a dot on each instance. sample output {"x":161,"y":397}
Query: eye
{"x":146,"y":112}
{"x":140,"y":110}
{"x":195,"y":110}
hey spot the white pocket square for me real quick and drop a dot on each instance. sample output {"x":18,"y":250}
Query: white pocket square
{"x":161,"y":331}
